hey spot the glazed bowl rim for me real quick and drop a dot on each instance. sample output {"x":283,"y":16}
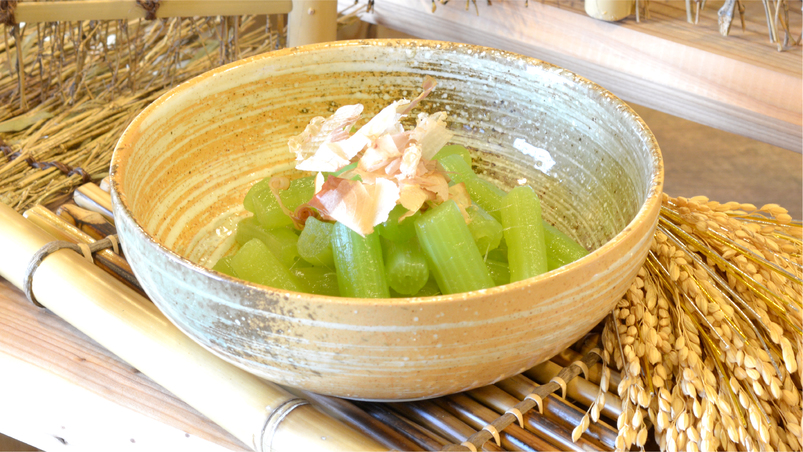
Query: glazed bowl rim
{"x":654,"y":191}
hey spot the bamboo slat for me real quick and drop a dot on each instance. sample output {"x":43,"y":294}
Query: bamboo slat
{"x":91,"y":197}
{"x":424,"y":438}
{"x":351,"y":414}
{"x":440,"y":420}
{"x":478,"y":416}
{"x":578,"y":389}
{"x":134,"y":329}
{"x":549,"y":430}
{"x":562,"y":411}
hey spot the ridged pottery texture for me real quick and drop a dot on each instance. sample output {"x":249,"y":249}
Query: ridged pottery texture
{"x":181,"y":170}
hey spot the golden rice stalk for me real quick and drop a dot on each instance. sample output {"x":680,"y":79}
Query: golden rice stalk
{"x":708,"y":337}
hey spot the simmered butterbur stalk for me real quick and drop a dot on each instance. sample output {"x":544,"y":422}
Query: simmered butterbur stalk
{"x":484,"y":193}
{"x":319,"y":280}
{"x":261,"y":200}
{"x":499,"y":271}
{"x":263,"y":204}
{"x":397,"y":231}
{"x":224,"y":266}
{"x":560,"y":248}
{"x":282,"y":242}
{"x":487,"y":232}
{"x":430,"y":289}
{"x":255,"y":263}
{"x":452,"y":149}
{"x":299,"y":192}
{"x":524,"y":233}
{"x":315,"y":243}
{"x":406,"y":266}
{"x":453,"y":256}
{"x":359,"y":264}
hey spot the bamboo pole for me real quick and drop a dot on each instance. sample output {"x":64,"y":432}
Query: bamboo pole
{"x":258,"y":413}
{"x":75,"y":10}
{"x":89,"y":194}
{"x":56,"y":226}
{"x":311,"y":22}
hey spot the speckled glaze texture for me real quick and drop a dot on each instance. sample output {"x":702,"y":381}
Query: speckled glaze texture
{"x":183,"y":166}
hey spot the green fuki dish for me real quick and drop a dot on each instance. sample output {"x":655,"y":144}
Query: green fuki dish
{"x":388,"y":212}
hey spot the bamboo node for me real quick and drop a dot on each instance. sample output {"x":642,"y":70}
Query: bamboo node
{"x":275,"y":417}
{"x":85,"y":249}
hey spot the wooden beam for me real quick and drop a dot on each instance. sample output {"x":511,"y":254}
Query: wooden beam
{"x":73,"y":10}
{"x":740,"y":84}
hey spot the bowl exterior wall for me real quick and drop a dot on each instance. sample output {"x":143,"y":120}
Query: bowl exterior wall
{"x":181,"y":169}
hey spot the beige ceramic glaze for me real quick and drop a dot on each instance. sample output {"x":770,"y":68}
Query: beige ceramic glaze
{"x":182,"y":167}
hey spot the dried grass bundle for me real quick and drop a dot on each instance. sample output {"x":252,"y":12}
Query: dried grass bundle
{"x":68,"y":90}
{"x":708,"y":337}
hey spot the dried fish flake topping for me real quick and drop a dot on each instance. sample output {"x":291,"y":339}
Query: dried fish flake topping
{"x":394,"y":165}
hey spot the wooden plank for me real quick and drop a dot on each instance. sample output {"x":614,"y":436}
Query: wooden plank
{"x":73,"y":10}
{"x":739,"y":84}
{"x":58,"y":387}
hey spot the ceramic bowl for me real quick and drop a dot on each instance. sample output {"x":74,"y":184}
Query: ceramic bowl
{"x":181,"y":169}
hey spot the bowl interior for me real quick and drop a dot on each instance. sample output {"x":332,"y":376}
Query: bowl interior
{"x":590,"y":158}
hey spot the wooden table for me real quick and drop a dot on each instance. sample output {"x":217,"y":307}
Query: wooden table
{"x":739,"y":83}
{"x":60,"y":388}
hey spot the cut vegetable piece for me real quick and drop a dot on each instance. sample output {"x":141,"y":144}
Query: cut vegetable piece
{"x":263,"y":204}
{"x":405,"y":266}
{"x":359,"y":265}
{"x":524,"y":233}
{"x":453,"y":149}
{"x":282,"y":242}
{"x":430,"y":289}
{"x":391,"y":229}
{"x":487,"y":232}
{"x":315,"y":243}
{"x":299,"y":192}
{"x":560,"y":248}
{"x":456,"y":168}
{"x":224,"y":266}
{"x":499,"y":271}
{"x":319,"y":280}
{"x":484,"y":193}
{"x":452,"y":255}
{"x":255,"y":263}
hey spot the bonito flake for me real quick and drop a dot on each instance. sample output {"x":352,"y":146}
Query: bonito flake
{"x":394,"y":165}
